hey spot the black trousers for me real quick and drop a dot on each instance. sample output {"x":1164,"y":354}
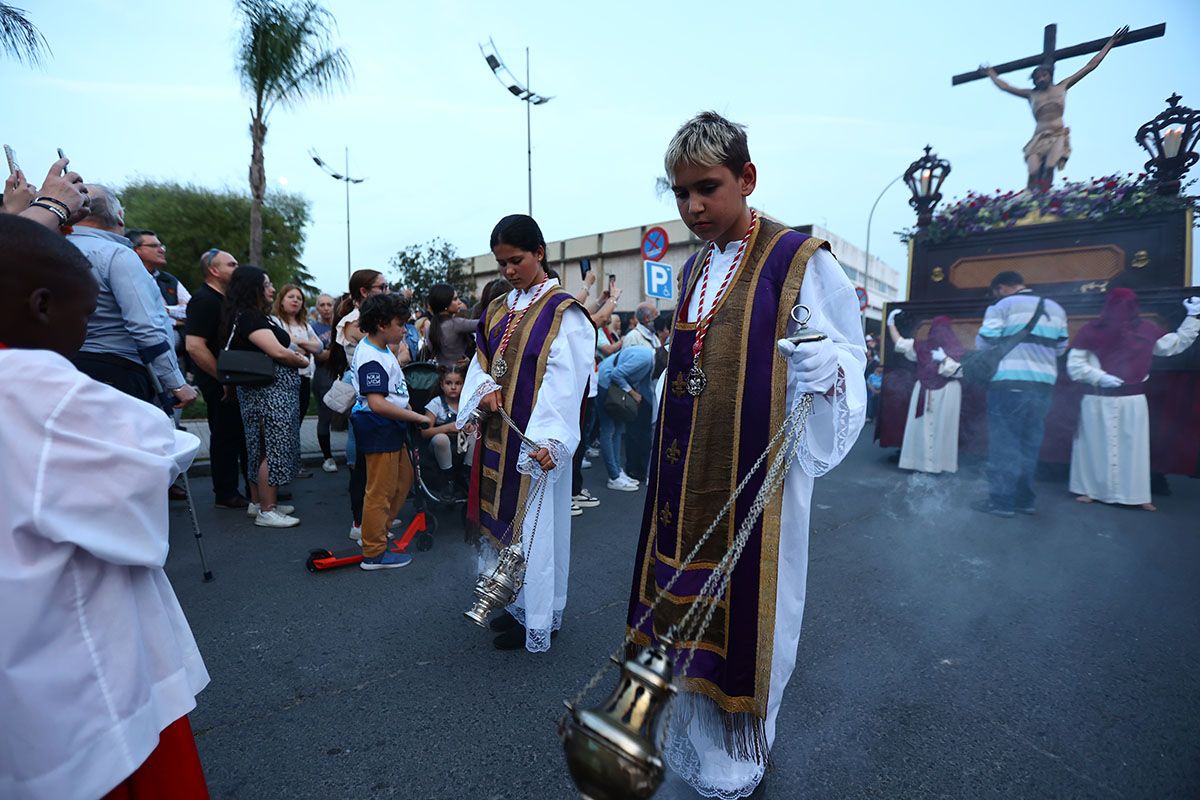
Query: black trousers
{"x":227,"y":440}
{"x":637,"y":443}
{"x":122,"y":374}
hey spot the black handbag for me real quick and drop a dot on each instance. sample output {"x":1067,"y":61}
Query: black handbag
{"x":618,"y":403}
{"x":244,"y":367}
{"x":979,"y":366}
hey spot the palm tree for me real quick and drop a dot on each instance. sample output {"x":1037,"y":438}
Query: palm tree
{"x":284,"y":58}
{"x":18,"y":36}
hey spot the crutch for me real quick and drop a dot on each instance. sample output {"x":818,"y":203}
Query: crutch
{"x":168,"y":406}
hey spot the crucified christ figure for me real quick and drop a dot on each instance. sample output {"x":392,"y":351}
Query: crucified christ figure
{"x":1050,"y":146}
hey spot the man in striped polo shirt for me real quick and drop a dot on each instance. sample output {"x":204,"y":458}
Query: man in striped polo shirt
{"x":1020,"y":393}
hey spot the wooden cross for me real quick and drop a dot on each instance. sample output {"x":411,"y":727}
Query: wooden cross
{"x":1049,"y":54}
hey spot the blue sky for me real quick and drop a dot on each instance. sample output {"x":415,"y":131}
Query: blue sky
{"x":838,"y":98}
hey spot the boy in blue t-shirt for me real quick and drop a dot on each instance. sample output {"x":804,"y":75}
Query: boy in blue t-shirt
{"x":379,"y":417}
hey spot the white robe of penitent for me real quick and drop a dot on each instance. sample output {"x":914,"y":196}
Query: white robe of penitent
{"x":1110,"y":455}
{"x":96,"y":656}
{"x":692,"y":751}
{"x":553,"y":423}
{"x":931,"y":440}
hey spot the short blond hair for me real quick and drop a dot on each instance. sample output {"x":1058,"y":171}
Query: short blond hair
{"x":708,"y":140}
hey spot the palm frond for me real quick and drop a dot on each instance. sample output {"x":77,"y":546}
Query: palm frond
{"x":19,"y":37}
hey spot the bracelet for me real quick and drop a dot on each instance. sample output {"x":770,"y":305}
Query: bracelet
{"x":45,"y":199}
{"x":58,"y":212}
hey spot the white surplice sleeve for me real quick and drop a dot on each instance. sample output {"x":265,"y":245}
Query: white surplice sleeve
{"x":1172,"y":344}
{"x":554,"y":423}
{"x":905,"y":348}
{"x":477,"y":385}
{"x":106,"y":462}
{"x":836,"y":419}
{"x":1084,"y":367}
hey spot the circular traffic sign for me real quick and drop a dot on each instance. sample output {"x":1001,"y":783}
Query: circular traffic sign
{"x":655,"y":244}
{"x":862,"y":297}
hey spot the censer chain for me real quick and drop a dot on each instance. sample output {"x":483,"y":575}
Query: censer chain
{"x":798,"y":416}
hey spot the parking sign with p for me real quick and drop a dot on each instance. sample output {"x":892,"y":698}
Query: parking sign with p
{"x":660,"y":281}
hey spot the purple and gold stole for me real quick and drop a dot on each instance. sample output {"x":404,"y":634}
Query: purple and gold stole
{"x":503,"y":490}
{"x":703,"y":448}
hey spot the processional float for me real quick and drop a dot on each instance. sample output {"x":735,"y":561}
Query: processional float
{"x":613,"y":749}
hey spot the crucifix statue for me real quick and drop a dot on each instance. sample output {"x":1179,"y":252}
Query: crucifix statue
{"x":1050,"y":146}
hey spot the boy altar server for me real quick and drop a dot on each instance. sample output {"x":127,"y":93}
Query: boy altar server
{"x":98,"y":668}
{"x":728,"y":387}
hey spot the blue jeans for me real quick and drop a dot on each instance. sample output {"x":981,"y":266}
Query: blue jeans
{"x":611,"y":433}
{"x":1016,"y":421}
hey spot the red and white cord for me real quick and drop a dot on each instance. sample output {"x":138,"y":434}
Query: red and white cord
{"x":705,"y":319}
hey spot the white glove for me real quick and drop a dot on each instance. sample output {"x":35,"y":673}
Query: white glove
{"x":814,"y":364}
{"x":891,"y":320}
{"x":938,"y":355}
{"x":1109,"y":381}
{"x":1192,"y":306}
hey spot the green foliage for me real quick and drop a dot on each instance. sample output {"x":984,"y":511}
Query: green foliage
{"x":420,"y":266}
{"x":191,"y":219}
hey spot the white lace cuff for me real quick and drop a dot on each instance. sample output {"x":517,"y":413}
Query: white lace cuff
{"x":844,"y":430}
{"x":486,"y":387}
{"x":537,"y":640}
{"x":558,"y":452}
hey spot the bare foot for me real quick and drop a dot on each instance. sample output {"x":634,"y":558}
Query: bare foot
{"x":1149,"y":507}
{"x":1083,"y":498}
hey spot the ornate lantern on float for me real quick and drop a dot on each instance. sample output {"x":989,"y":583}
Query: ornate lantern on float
{"x":611,"y":749}
{"x":924,"y":178}
{"x":1170,"y":139}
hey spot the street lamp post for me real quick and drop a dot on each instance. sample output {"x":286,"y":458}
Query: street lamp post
{"x":492,"y":56}
{"x":346,"y":179}
{"x":867,"y":260}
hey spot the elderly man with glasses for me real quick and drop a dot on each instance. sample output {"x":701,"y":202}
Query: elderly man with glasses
{"x":153,"y":254}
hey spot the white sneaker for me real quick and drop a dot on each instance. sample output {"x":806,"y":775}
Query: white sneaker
{"x":621,"y":484}
{"x":576,"y":511}
{"x":592,"y":452}
{"x":585,"y":499}
{"x":329,"y":465}
{"x":585,"y":464}
{"x":274,"y":519}
{"x":628,"y":479}
{"x":253,"y":509}
{"x":356,"y":534}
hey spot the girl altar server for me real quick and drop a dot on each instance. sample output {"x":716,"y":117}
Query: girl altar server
{"x":533,"y":358}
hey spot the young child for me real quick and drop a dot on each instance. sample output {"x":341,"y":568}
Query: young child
{"x":730,"y":381}
{"x":443,"y":434}
{"x":378,"y":418}
{"x":98,"y":667}
{"x":874,"y":388}
{"x":533,"y":357}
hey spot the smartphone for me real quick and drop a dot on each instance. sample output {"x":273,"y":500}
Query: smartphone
{"x":61,"y":154}
{"x":612,"y":283}
{"x":585,"y":266}
{"x":12,"y":160}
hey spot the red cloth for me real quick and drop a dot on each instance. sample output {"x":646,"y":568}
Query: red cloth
{"x":1122,"y":341}
{"x":941,"y":334}
{"x":171,"y":772}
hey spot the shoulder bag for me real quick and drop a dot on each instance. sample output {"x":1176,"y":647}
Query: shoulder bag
{"x":979,"y":366}
{"x":244,"y":367}
{"x":618,"y":403}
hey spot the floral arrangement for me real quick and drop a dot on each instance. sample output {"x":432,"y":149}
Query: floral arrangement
{"x":1100,"y":198}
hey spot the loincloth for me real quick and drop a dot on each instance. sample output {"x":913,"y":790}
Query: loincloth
{"x":1053,"y":148}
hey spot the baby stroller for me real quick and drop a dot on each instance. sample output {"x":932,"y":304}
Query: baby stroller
{"x":429,"y":484}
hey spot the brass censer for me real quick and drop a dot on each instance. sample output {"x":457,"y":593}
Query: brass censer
{"x":611,"y":751}
{"x":498,"y":589}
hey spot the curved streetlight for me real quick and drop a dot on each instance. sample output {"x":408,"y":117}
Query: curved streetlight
{"x":346,"y":179}
{"x":522,"y":92}
{"x":870,"y":217}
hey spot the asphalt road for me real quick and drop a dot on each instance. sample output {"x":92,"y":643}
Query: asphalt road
{"x":945,"y":653}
